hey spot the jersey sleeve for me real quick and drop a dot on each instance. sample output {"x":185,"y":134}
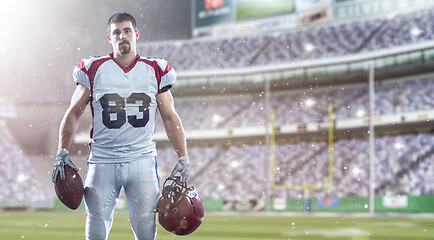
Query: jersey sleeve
{"x":80,"y":75}
{"x":168,"y":76}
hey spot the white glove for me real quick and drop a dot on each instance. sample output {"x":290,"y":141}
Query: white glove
{"x":62,"y":160}
{"x":182,"y":168}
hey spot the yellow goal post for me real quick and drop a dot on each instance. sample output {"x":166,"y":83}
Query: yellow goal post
{"x":305,"y":187}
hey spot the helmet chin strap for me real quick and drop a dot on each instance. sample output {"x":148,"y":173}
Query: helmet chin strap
{"x":175,"y":210}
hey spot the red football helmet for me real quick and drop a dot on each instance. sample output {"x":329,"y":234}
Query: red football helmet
{"x":180,"y":209}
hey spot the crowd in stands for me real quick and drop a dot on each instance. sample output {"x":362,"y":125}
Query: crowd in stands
{"x":19,"y":180}
{"x":307,"y":105}
{"x":404,"y":29}
{"x":309,"y":43}
{"x":403,"y":166}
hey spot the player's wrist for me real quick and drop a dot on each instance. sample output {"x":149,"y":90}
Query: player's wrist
{"x":184,"y":159}
{"x":62,"y":151}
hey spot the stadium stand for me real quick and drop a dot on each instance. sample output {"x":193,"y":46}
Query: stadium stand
{"x":404,"y":29}
{"x":402,"y":167}
{"x":240,"y":168}
{"x":317,"y":42}
{"x":18,"y":179}
{"x":307,"y":105}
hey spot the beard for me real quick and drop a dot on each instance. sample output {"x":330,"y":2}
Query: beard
{"x":125,"y":48}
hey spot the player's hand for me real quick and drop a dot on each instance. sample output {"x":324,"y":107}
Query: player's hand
{"x":182,"y":168}
{"x":62,"y":160}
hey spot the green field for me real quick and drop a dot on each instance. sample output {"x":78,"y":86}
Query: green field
{"x":68,"y":226}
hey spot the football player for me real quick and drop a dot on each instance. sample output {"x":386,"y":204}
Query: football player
{"x":124,"y":91}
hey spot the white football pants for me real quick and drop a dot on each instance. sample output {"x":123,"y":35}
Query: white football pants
{"x":102,"y":186}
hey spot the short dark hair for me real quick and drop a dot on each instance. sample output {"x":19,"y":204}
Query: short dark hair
{"x":121,"y":17}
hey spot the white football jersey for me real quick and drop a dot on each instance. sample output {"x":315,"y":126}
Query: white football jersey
{"x":123,"y":105}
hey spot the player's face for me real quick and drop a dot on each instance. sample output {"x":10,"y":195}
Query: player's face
{"x":123,"y":37}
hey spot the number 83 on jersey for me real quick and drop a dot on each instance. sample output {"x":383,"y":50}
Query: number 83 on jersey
{"x":114,"y":114}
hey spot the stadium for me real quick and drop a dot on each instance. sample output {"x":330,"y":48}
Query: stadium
{"x":305,"y":119}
